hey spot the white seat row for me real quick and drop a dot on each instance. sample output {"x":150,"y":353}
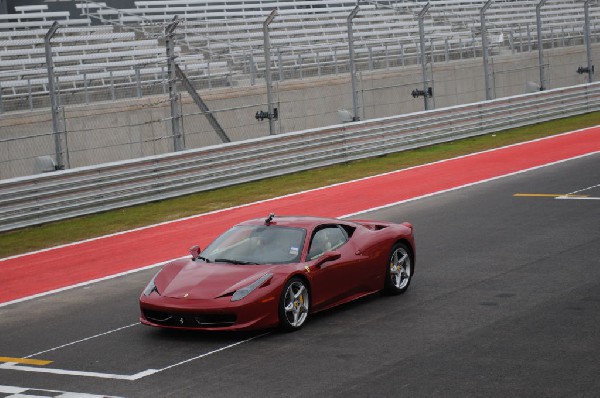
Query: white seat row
{"x":63,"y":31}
{"x":31,"y":8}
{"x":79,"y":82}
{"x":83,"y":59}
{"x":44,"y":16}
{"x":79,"y":49}
{"x":43,"y":24}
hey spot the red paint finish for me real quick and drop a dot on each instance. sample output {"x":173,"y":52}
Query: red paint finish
{"x":30,"y":274}
{"x":185,"y":290}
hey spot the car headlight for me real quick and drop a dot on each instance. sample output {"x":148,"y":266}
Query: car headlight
{"x":243,"y":292}
{"x":151,"y":288}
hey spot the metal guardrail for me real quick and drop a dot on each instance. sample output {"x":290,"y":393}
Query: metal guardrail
{"x":33,"y":200}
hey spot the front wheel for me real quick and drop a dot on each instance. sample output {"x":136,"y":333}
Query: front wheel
{"x":399,"y":269}
{"x":293,"y":305}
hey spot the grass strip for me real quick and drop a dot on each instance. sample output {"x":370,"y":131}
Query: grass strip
{"x":72,"y":230}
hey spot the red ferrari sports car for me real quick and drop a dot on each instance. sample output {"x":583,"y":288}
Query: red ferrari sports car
{"x":276,"y":272}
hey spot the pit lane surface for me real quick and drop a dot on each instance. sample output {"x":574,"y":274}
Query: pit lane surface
{"x":506,"y":300}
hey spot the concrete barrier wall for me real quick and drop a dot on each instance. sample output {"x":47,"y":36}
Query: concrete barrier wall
{"x":112,"y":131}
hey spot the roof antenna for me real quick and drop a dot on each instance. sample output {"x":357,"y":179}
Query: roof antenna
{"x":269,"y":219}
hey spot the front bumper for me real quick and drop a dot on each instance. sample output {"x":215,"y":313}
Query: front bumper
{"x":249,"y":313}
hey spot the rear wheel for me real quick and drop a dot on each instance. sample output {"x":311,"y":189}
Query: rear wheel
{"x":399,"y":270}
{"x":294,"y":305}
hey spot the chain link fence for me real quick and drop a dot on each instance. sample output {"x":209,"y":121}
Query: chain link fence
{"x":117,"y":97}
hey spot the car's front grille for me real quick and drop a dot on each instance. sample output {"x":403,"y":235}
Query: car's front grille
{"x":189,"y":320}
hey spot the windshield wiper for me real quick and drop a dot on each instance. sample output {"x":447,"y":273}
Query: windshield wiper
{"x":204,"y":259}
{"x":239,"y":262}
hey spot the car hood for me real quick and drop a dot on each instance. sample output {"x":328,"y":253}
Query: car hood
{"x":199,"y":280}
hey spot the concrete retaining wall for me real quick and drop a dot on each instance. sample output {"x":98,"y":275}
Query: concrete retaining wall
{"x":112,"y":131}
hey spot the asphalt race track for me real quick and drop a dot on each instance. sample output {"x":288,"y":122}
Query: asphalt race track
{"x":505,"y":301}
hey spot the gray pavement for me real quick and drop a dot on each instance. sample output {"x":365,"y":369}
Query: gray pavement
{"x":505,"y":301}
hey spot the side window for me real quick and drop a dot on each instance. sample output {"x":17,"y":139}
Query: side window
{"x":327,"y":238}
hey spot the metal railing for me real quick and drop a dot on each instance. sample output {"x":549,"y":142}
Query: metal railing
{"x":38,"y":199}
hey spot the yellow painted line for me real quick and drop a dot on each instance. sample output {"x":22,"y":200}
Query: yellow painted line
{"x":25,"y":361}
{"x":549,"y":195}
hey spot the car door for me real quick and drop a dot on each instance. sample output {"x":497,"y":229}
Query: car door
{"x":336,"y":280}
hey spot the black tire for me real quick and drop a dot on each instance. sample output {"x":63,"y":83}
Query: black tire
{"x":399,"y":269}
{"x":294,"y":305}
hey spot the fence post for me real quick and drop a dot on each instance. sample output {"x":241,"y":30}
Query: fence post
{"x":352,"y":65}
{"x":53,"y":96}
{"x":511,"y":39}
{"x":30,"y":94}
{"x":252,"y":70}
{"x":421,"y":17}
{"x":112,"y":86}
{"x":484,"y":45}
{"x":446,"y":51}
{"x":280,"y":65}
{"x":209,"y":74}
{"x":138,"y":82}
{"x":267,"y":50}
{"x":588,"y":40}
{"x":538,"y":18}
{"x":318,"y":65}
{"x":402,"y":54}
{"x":172,"y":76}
{"x":520,"y":39}
{"x":387,"y":58}
{"x":85,"y":89}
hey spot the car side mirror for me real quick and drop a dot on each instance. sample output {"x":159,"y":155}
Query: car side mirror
{"x":195,"y":252}
{"x":328,"y":256}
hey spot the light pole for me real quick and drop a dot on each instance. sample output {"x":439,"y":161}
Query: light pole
{"x":423,"y":57}
{"x":267,"y":49}
{"x":53,"y":96}
{"x":353,"y":13}
{"x":172,"y":74}
{"x":538,"y":16}
{"x":588,"y":38}
{"x":484,"y":45}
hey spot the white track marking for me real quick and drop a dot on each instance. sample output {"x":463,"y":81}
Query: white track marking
{"x":212,"y":352}
{"x":22,"y":392}
{"x":14,"y":366}
{"x":82,"y":340}
{"x":294,"y":194}
{"x":575,"y":198}
{"x":579,"y":191}
{"x":133,"y":377}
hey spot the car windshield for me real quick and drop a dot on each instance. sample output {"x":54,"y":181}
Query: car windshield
{"x":256,"y":244}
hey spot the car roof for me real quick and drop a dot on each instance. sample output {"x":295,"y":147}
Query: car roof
{"x":306,"y":222}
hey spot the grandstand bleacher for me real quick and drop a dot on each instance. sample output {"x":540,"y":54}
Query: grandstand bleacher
{"x":106,"y":46}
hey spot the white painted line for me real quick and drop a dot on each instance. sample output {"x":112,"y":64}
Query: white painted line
{"x":575,"y":198}
{"x":212,"y":352}
{"x":11,"y":390}
{"x":13,"y":366}
{"x":136,"y":376}
{"x":585,"y":189}
{"x":293,"y":194}
{"x":563,"y":197}
{"x":23,"y":392}
{"x":82,"y":340}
